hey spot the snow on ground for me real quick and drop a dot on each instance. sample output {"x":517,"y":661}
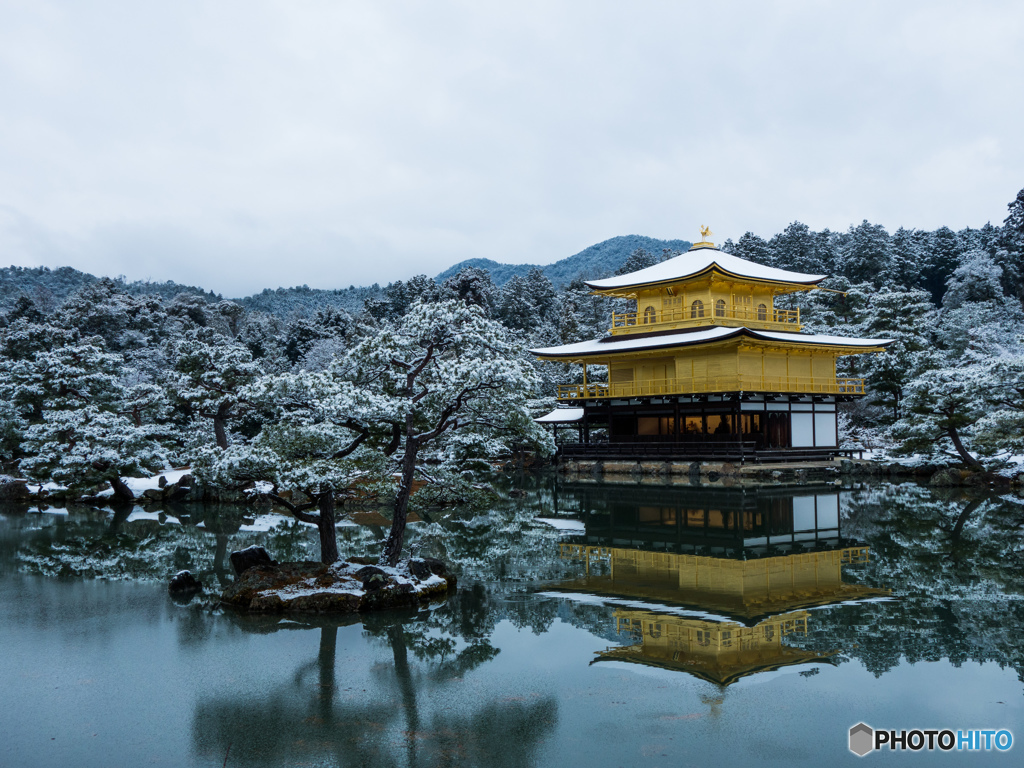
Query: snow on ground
{"x":139,"y":484}
{"x":562,"y":524}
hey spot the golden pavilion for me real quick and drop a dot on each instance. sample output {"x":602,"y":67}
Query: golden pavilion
{"x":705,"y":365}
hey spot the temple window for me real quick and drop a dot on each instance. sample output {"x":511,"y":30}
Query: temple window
{"x":697,"y":308}
{"x":650,"y":315}
{"x":762,"y":312}
{"x":720,"y":308}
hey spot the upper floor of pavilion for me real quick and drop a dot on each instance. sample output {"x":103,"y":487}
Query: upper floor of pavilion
{"x":705,"y":287}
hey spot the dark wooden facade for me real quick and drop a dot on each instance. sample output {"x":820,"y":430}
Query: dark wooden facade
{"x":732,"y":426}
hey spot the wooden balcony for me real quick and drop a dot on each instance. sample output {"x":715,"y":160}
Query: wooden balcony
{"x":735,"y":383}
{"x":762,"y":318}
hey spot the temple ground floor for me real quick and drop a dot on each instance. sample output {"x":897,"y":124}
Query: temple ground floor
{"x":731,"y":426}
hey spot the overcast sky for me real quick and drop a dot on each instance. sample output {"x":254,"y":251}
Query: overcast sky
{"x":243,"y":145}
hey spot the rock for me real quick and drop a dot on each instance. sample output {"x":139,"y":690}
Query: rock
{"x":419,"y":570}
{"x":12,"y":489}
{"x":185,"y":481}
{"x":162,"y":482}
{"x":373,"y":578}
{"x":175,"y":492}
{"x":250,"y":557}
{"x":184,"y":583}
{"x":426,"y":567}
{"x":152,"y":494}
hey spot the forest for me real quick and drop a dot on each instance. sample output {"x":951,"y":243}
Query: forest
{"x":431,"y":378}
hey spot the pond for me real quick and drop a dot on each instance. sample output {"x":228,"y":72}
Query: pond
{"x":595,"y":625}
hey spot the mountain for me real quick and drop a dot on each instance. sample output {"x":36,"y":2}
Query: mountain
{"x":596,"y":261}
{"x":48,"y":288}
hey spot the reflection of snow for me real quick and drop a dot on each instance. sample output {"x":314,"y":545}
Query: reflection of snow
{"x":264,"y":523}
{"x":562,"y":524}
{"x":588,"y":599}
{"x":141,"y":514}
{"x":48,"y":511}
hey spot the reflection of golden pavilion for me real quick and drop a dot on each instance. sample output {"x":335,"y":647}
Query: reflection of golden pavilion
{"x":719,"y":652}
{"x":742,"y":588}
{"x":765,"y":600}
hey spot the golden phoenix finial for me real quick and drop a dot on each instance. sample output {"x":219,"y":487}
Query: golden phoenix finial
{"x":705,"y":231}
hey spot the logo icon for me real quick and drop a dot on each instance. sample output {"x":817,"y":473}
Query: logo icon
{"x":862,"y":739}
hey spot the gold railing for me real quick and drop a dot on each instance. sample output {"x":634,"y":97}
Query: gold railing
{"x":687,"y":317}
{"x":734,"y":383}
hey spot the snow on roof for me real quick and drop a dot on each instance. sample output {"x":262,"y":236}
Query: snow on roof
{"x":561,"y":416}
{"x":617,"y":344}
{"x":694,"y":262}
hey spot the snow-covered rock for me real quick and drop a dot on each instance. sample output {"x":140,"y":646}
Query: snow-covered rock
{"x":343,"y":587}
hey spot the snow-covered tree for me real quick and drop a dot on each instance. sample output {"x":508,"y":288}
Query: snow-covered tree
{"x":941,"y":258}
{"x":473,"y":286}
{"x":941,"y":406}
{"x":867,"y":255}
{"x":752,"y":248}
{"x":443,"y":377}
{"x":795,"y":249}
{"x":1002,"y":426}
{"x":312,"y":440}
{"x":208,"y":372}
{"x":907,"y":317}
{"x":85,"y":425}
{"x":978,"y":278}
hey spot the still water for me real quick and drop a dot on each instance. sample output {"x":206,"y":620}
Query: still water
{"x":640,"y":625}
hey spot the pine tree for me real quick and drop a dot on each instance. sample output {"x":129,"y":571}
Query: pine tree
{"x":867,"y":256}
{"x":941,"y":259}
{"x":795,"y":249}
{"x":753,"y":248}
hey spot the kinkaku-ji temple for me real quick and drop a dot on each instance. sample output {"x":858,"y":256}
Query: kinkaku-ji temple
{"x":719,"y":583}
{"x":706,"y":366}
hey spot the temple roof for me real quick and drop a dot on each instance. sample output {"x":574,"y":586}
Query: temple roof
{"x":561,"y":416}
{"x":618,"y":344}
{"x":697,"y":261}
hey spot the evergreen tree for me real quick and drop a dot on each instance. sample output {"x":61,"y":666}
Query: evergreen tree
{"x":637,"y":260}
{"x":942,"y":258}
{"x":753,"y":248}
{"x":795,"y":249}
{"x":943,"y":405}
{"x":978,"y":278}
{"x":89,"y":427}
{"x":867,"y":256}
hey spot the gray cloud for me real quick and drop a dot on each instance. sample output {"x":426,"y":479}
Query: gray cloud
{"x":253,"y":144}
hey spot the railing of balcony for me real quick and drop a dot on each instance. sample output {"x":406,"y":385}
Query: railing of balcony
{"x":735,"y":383}
{"x":761,"y":316}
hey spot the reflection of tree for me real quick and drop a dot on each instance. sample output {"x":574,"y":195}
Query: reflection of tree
{"x":314,"y":719}
{"x":955,"y":561}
